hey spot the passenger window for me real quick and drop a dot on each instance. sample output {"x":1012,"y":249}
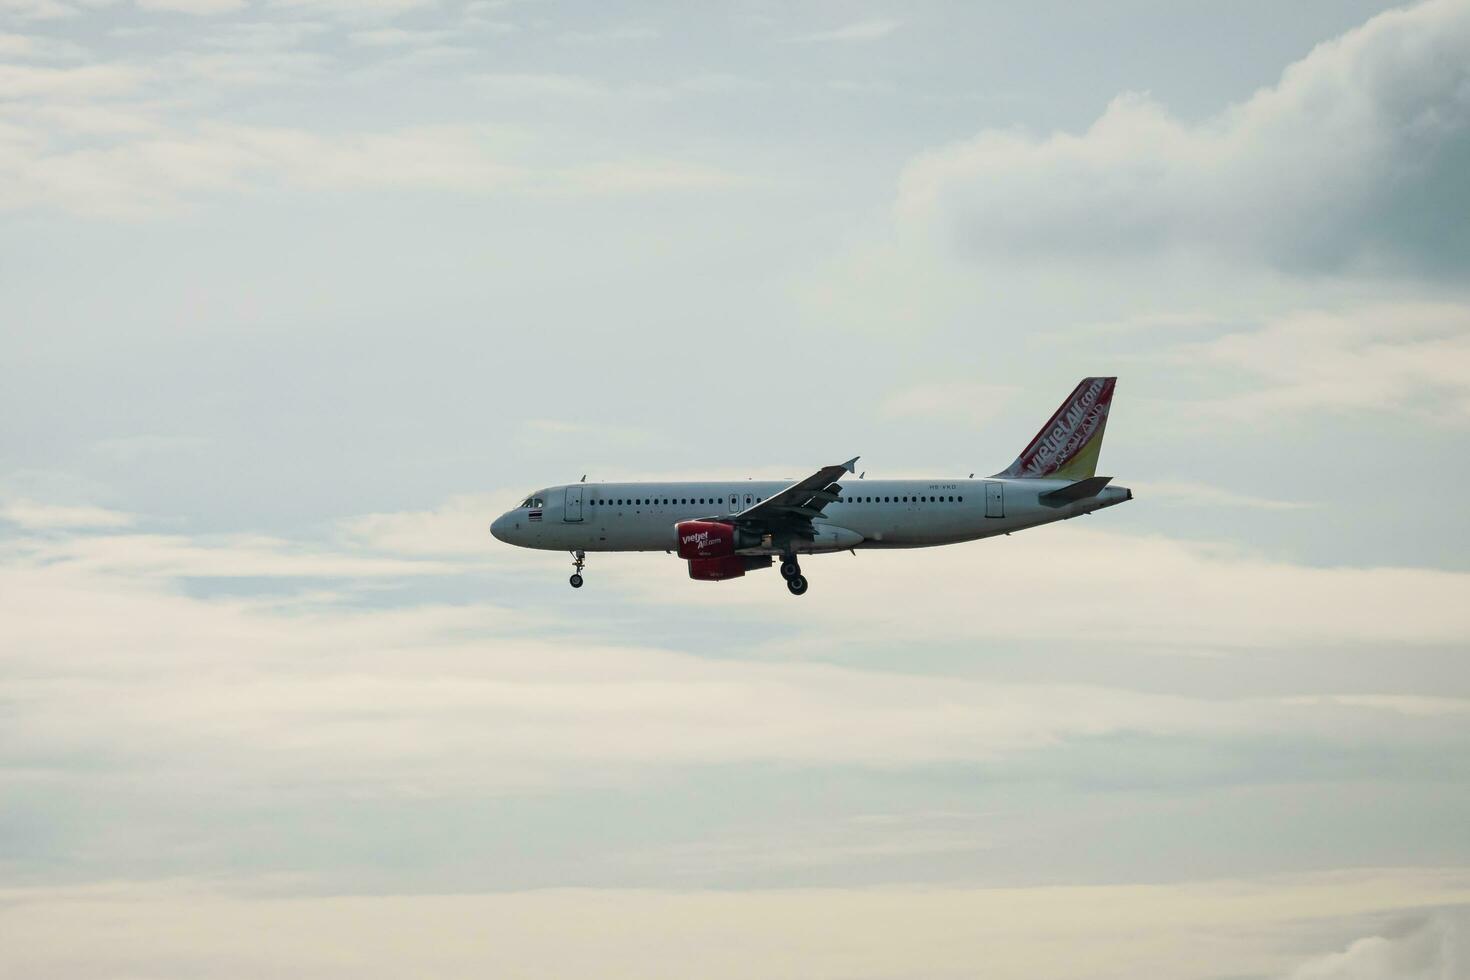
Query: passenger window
{"x":960,"y":499}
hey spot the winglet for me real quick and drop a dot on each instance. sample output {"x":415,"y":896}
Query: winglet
{"x":851,"y":464}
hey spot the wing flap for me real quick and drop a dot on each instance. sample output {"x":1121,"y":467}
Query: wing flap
{"x":800,"y":502}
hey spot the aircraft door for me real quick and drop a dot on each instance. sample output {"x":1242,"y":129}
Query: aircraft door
{"x":572,"y":512}
{"x":995,"y":501}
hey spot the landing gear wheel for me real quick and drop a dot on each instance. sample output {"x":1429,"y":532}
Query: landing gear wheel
{"x":790,"y":569}
{"x":797,"y":584}
{"x":576,"y":581}
{"x":579,"y":562}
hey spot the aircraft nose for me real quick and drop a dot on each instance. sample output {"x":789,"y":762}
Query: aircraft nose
{"x":499,"y":526}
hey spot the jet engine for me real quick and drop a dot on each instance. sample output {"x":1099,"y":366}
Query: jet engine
{"x":712,"y":539}
{"x":730,"y":566}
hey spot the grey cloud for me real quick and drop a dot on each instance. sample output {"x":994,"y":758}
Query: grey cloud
{"x":1430,"y":947}
{"x":1356,"y":158}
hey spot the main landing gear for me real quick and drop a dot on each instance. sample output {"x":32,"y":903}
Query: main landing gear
{"x":791,"y":572}
{"x":579,"y":562}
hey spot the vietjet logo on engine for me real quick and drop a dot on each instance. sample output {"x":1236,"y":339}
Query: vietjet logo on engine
{"x":704,"y":539}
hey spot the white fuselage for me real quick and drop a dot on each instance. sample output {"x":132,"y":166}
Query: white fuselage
{"x":915,"y":513}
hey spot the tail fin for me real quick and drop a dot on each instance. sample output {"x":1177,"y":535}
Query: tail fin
{"x":1067,"y":447}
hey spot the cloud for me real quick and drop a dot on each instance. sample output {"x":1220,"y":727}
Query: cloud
{"x":459,"y":526}
{"x":199,"y":7}
{"x":38,"y":47}
{"x":859,"y":31}
{"x":304,"y":675}
{"x":1114,"y":591}
{"x":32,"y":515}
{"x":1185,"y":931}
{"x":1355,"y":158}
{"x":1208,"y":495}
{"x":38,"y":9}
{"x":1411,"y":358}
{"x":355,"y":10}
{"x":262,"y":35}
{"x":165,"y":171}
{"x":1430,"y":947}
{"x":86,"y":81}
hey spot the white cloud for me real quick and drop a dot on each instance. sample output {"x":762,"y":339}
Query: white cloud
{"x":1355,"y":156}
{"x":355,"y":10}
{"x":859,"y":31}
{"x":387,"y":37}
{"x":38,"y":9}
{"x":1185,"y":931}
{"x":1076,"y":582}
{"x":159,"y":172}
{"x":482,"y":695}
{"x":460,"y":526}
{"x":263,"y":35}
{"x":1208,"y":495}
{"x":1406,"y":357}
{"x":38,"y":47}
{"x":199,"y":7}
{"x":38,"y":516}
{"x":90,"y":81}
{"x":250,"y":64}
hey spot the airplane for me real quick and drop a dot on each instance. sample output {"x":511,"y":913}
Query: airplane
{"x":726,"y":528}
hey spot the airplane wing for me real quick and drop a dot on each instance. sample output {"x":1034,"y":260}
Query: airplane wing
{"x":798,"y":503}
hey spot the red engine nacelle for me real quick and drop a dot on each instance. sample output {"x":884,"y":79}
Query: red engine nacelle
{"x":730,"y":566}
{"x":706,"y":539}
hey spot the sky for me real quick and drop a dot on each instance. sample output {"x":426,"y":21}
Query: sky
{"x":297,"y":295}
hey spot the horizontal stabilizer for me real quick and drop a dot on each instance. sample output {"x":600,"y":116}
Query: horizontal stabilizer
{"x":1081,"y":490}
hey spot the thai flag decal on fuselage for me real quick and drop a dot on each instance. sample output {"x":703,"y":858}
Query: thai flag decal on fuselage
{"x":535,"y":515}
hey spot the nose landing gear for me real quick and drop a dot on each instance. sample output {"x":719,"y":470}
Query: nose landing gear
{"x":791,"y":572}
{"x":579,"y":562}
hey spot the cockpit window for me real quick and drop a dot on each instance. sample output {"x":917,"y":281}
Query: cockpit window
{"x":532,"y":502}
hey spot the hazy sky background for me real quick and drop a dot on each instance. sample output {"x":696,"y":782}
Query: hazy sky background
{"x":295,"y":295}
